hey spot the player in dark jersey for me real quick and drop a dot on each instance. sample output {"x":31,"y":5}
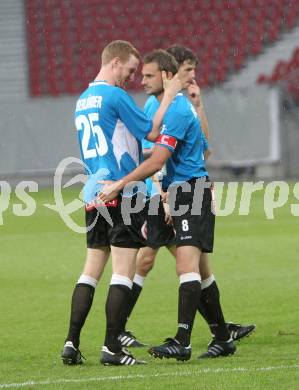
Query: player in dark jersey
{"x":161,"y":234}
{"x":110,"y":128}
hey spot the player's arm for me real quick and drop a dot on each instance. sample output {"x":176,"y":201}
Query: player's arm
{"x":165,"y":146}
{"x":156,"y":179}
{"x":207,"y":153}
{"x":196,"y":99}
{"x":136,"y":120}
{"x":153,"y":164}
{"x":206,"y":148}
{"x":171,"y":88}
{"x":147,"y":152}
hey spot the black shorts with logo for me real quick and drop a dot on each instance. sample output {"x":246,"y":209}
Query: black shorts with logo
{"x":158,"y":232}
{"x":116,"y":230}
{"x":196,"y":226}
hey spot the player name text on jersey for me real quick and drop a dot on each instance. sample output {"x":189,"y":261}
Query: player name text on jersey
{"x":90,"y":102}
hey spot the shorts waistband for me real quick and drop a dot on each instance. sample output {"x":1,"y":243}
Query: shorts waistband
{"x":194,"y":179}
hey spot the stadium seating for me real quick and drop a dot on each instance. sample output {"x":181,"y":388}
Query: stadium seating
{"x":65,"y":37}
{"x":286,"y":74}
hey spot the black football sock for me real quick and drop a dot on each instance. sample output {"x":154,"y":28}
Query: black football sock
{"x":81,"y":303}
{"x":116,"y":310}
{"x":135,"y":293}
{"x":189,"y":294}
{"x":209,"y":306}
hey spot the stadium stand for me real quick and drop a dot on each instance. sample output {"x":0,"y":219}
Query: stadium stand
{"x":65,"y":37}
{"x":286,"y":73}
{"x":13,"y":63}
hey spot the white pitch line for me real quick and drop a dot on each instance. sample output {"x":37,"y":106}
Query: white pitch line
{"x":142,"y":376}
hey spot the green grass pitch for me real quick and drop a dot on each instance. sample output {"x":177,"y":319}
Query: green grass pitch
{"x":255,"y":263}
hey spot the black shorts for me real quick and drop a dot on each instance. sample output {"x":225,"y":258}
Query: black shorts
{"x":98,"y":234}
{"x":121,"y":234}
{"x":196,"y":226}
{"x":158,"y":232}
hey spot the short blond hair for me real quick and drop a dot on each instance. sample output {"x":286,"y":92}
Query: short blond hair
{"x":121,"y":49}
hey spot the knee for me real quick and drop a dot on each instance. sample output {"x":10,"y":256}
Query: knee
{"x":95,"y":262}
{"x":185,"y":268}
{"x":145,"y":266}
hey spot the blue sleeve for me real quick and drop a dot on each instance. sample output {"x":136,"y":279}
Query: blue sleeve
{"x":132,"y":116}
{"x":150,"y":108}
{"x":147,"y":144}
{"x":174,"y":128}
{"x":175,"y":123}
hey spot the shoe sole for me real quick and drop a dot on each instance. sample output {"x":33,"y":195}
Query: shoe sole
{"x":215,"y":357}
{"x":160,"y":355}
{"x":119,"y":364}
{"x":109,"y":364}
{"x":70,"y":362}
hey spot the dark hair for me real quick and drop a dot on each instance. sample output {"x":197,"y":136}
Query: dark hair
{"x":181,"y":54}
{"x":164,"y":60}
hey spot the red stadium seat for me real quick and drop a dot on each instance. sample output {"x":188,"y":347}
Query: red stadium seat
{"x":224,"y":34}
{"x":256,"y":47}
{"x":280,"y":71}
{"x":262,"y":79}
{"x":286,"y":73}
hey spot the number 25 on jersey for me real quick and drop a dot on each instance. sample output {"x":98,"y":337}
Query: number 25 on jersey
{"x":91,"y":130}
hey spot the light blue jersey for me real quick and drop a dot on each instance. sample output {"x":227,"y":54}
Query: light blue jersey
{"x":182,"y":135}
{"x":110,"y":130}
{"x":150,"y":108}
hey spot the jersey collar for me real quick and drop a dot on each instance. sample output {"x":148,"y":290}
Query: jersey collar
{"x":98,"y":82}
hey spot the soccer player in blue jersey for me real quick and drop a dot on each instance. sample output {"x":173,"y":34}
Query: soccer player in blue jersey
{"x":160,"y":234}
{"x":181,"y":147}
{"x":110,"y":128}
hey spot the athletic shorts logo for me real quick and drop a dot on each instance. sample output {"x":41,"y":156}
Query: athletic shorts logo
{"x":95,"y":204}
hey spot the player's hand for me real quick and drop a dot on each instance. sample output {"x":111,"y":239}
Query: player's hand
{"x":194,"y":94}
{"x":166,"y":197}
{"x":172,"y":85}
{"x":163,"y":196}
{"x":168,"y":219}
{"x":110,"y":190}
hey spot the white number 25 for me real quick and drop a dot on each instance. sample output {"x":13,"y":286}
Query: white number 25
{"x":87,"y":124}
